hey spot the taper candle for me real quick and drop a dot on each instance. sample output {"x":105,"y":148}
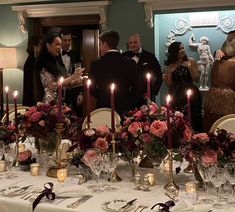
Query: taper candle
{"x":88,"y":84}
{"x":112,"y":87}
{"x":7,"y":105}
{"x":60,"y":87}
{"x":189,"y":93}
{"x":148,"y":76}
{"x":15,"y":107}
{"x":169,"y":138}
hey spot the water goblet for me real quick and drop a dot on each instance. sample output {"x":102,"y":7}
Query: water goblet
{"x":229,"y":169}
{"x":206,"y":173}
{"x":10,"y":156}
{"x":217,"y":179}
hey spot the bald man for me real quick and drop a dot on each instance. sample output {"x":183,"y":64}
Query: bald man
{"x":146,"y":62}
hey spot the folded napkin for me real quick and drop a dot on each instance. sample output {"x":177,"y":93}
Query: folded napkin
{"x":72,"y":191}
{"x":182,"y":206}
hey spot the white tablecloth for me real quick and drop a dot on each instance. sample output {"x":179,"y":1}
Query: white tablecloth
{"x":125,"y":191}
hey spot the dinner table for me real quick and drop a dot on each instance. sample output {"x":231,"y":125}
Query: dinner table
{"x":113,"y":199}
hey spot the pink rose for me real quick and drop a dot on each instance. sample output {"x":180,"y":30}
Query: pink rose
{"x":87,"y":157}
{"x":101,"y":144}
{"x":209,"y":158}
{"x":163,"y":110}
{"x":103,"y":129}
{"x":158,"y":128}
{"x":31,"y":110}
{"x":42,"y":123}
{"x":145,"y":126}
{"x":24,"y":155}
{"x":35,"y":116}
{"x":178,"y":114}
{"x":200,"y":136}
{"x":146,"y":138}
{"x":138,"y":114}
{"x":135,"y":128}
{"x":187,"y":134}
{"x":153,"y":108}
{"x":11,"y":127}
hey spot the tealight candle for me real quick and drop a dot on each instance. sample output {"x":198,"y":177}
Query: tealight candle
{"x":61,"y":174}
{"x":34,"y":169}
{"x":21,"y":148}
{"x":191,"y":187}
{"x":2,"y":165}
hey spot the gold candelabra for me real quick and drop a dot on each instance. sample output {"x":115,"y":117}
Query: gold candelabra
{"x":171,"y":187}
{"x":114,"y":177}
{"x":52,"y":171}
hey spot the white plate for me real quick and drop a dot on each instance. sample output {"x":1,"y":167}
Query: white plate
{"x":14,"y":191}
{"x":116,"y":204}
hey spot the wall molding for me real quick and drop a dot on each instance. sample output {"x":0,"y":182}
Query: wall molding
{"x":20,"y":1}
{"x":160,"y":5}
{"x":62,"y":9}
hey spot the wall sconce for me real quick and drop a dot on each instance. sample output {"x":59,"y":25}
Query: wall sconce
{"x":7,"y":60}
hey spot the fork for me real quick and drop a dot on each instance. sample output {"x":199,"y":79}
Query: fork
{"x":79,"y":201}
{"x":141,"y":207}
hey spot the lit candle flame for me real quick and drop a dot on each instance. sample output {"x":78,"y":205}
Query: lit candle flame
{"x":148,"y":76}
{"x":88,"y":83}
{"x":168,"y":99}
{"x":61,"y":80}
{"x":189,"y":92}
{"x":112,"y":87}
{"x":15,"y":94}
{"x":6,"y":89}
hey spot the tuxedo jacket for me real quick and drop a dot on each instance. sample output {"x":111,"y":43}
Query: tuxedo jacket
{"x":148,"y":63}
{"x":114,"y":68}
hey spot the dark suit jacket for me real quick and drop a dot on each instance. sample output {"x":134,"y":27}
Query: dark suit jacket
{"x":149,"y":63}
{"x":113,"y":67}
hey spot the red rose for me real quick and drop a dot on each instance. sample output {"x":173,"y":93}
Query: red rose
{"x":209,"y":158}
{"x":200,"y":136}
{"x":35,"y":116}
{"x":103,"y":130}
{"x":158,"y":128}
{"x":138,"y":114}
{"x":146,"y":138}
{"x":135,"y":128}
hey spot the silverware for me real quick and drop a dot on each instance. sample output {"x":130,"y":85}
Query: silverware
{"x":128,"y":204}
{"x":22,"y":188}
{"x":79,"y":201}
{"x":141,"y":207}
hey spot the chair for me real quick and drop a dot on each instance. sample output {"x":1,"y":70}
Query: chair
{"x":101,"y":117}
{"x":226,"y":122}
{"x":20,"y":109}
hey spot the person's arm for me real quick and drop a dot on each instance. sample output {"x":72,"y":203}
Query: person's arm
{"x":219,"y":54}
{"x":167,"y":76}
{"x":75,"y":79}
{"x":192,"y":66}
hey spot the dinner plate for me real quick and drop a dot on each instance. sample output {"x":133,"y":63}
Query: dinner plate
{"x":115,"y":205}
{"x":14,"y":191}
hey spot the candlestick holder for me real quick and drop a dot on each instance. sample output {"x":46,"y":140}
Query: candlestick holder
{"x":52,"y":171}
{"x":171,"y":187}
{"x":16,"y":161}
{"x":114,"y":177}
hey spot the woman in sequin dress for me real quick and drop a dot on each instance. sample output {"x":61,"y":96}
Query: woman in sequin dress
{"x":49,"y":68}
{"x":220,"y":99}
{"x":181,"y":72}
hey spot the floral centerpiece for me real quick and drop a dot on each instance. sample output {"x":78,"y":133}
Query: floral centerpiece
{"x":146,"y":129}
{"x":212,"y":148}
{"x":40,"y":122}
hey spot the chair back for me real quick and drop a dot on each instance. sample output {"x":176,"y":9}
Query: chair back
{"x":101,"y":117}
{"x":20,"y":109}
{"x":226,"y":122}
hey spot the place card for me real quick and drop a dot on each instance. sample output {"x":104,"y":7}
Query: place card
{"x":188,"y":196}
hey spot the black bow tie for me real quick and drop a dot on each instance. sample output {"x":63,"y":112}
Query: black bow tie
{"x":66,"y":52}
{"x":135,"y":54}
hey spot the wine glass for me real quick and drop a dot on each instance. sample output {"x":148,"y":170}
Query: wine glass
{"x":229,"y":170}
{"x":1,"y":149}
{"x":217,"y":179}
{"x":206,"y":172}
{"x":10,"y":156}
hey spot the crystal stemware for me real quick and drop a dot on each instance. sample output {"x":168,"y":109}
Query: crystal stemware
{"x":10,"y":156}
{"x":206,"y":173}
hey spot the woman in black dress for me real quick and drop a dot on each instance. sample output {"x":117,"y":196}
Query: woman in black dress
{"x":181,"y":72}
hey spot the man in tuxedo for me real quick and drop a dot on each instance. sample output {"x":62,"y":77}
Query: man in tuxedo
{"x":112,"y":67}
{"x":73,"y":96}
{"x":146,"y":62}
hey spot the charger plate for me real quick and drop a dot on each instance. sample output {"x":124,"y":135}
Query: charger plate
{"x":101,"y":117}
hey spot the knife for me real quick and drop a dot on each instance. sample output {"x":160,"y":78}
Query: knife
{"x":127,"y":205}
{"x":79,"y":201}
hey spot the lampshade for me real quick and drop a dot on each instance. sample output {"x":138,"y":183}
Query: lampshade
{"x":8,"y":58}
